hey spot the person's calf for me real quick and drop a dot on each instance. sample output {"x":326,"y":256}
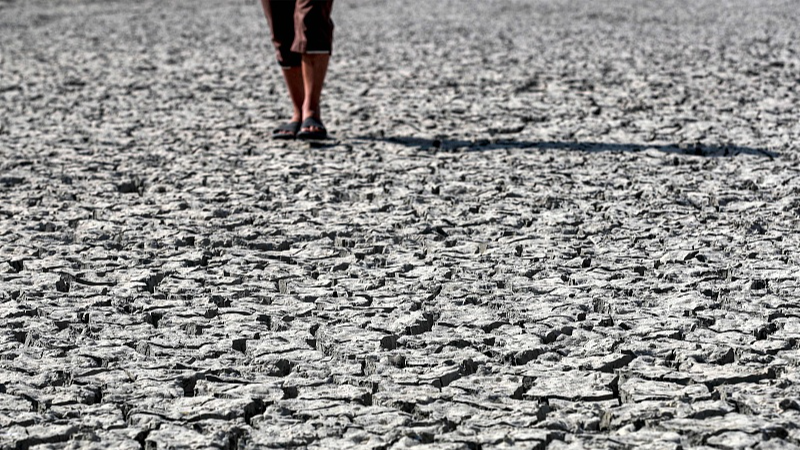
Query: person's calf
{"x":314,"y":67}
{"x":293,"y":76}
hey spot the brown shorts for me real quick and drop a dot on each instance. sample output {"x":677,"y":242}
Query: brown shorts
{"x":299,"y":27}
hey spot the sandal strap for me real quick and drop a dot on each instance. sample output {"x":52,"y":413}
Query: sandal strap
{"x":312,"y":122}
{"x":291,"y":127}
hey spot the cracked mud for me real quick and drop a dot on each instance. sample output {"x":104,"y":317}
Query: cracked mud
{"x":556,"y":225}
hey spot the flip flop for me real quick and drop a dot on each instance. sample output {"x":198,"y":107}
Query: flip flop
{"x":312,"y":135}
{"x":286,"y":131}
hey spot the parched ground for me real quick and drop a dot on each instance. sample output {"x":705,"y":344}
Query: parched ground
{"x":541,"y":224}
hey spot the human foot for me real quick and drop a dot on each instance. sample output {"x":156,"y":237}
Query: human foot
{"x":312,"y":129}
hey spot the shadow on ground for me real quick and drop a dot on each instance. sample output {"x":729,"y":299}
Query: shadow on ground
{"x":589,"y":147}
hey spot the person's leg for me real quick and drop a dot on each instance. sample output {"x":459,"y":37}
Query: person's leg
{"x":293,"y":76}
{"x":280,"y":15}
{"x":314,"y":40}
{"x":314,"y":69}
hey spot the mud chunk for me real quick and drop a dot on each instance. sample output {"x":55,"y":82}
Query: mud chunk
{"x":389,"y":342}
{"x":64,"y":284}
{"x":17,"y":265}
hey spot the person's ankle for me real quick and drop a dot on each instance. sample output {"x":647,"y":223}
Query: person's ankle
{"x":311,"y":113}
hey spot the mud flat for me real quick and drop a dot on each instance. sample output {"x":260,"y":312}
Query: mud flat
{"x":557,"y":225}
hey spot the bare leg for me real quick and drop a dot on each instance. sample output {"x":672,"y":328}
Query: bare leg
{"x":314,"y":69}
{"x":293,"y":77}
{"x":294,"y":82}
{"x":279,"y":14}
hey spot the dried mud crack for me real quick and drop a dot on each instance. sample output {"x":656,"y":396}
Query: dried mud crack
{"x":545,"y":225}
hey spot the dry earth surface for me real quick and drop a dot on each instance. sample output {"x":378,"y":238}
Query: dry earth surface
{"x":541,"y":224}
